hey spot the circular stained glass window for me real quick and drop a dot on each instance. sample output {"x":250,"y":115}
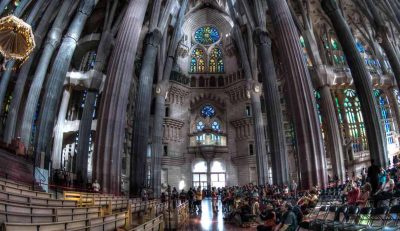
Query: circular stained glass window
{"x":200,"y":126}
{"x":215,"y":126}
{"x":206,"y":35}
{"x":208,"y":111}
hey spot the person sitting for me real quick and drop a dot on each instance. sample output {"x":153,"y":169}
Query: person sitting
{"x":96,"y":186}
{"x":289,"y":219}
{"x":245,"y":213}
{"x":364,"y":195}
{"x":268,"y":215}
{"x":353,"y":194}
{"x":385,"y":192}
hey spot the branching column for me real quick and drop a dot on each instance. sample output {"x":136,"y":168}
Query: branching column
{"x":112,"y":114}
{"x":362,"y":83}
{"x":52,"y":41}
{"x":301,"y":98}
{"x":56,"y":79}
{"x":40,"y":32}
{"x":276,"y":132}
{"x":142,"y":113}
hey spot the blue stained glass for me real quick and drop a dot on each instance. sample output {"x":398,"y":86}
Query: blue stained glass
{"x":206,"y":35}
{"x":208,"y":111}
{"x":215,"y":126}
{"x":360,"y":47}
{"x":200,"y":126}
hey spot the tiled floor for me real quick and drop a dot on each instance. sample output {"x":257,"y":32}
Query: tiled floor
{"x":208,"y":221}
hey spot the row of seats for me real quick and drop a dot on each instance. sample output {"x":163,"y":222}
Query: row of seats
{"x":353,"y":218}
{"x":106,"y":212}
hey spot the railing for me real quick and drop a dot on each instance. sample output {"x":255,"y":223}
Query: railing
{"x":156,"y":224}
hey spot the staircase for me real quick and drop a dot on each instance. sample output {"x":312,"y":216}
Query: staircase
{"x":17,"y":168}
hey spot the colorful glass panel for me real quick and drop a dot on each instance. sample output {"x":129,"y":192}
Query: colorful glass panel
{"x":200,"y":126}
{"x":215,"y":126}
{"x":208,"y":111}
{"x":206,"y":35}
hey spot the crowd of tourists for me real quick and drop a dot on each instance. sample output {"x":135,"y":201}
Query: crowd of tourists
{"x":274,"y":207}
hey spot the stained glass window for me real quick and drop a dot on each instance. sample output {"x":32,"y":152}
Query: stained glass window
{"x":216,"y":64}
{"x":200,"y":126}
{"x":206,"y":35}
{"x":385,"y":112}
{"x":208,"y":111}
{"x":215,"y":126}
{"x":212,"y":65}
{"x":305,"y":53}
{"x":197,"y":63}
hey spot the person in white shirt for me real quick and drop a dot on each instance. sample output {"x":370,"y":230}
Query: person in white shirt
{"x":96,"y":186}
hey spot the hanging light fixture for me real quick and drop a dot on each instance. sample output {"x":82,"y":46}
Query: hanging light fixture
{"x":16,"y":38}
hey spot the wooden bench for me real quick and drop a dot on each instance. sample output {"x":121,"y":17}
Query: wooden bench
{"x":33,"y":214}
{"x":25,"y":192}
{"x":179,"y":216}
{"x":107,"y":223}
{"x":28,"y":200}
{"x":14,"y":184}
{"x":156,"y":224}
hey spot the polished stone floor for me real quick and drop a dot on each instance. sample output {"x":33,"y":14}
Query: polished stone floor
{"x":208,"y":221}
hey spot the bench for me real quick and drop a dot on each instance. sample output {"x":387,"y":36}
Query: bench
{"x":107,"y":223}
{"x":33,"y":214}
{"x":14,"y":184}
{"x":28,"y":200}
{"x":25,"y":192}
{"x":156,"y":224}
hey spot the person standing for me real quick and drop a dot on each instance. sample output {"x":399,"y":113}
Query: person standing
{"x":96,"y":186}
{"x":373,"y":175}
{"x":199,"y":198}
{"x":294,"y":188}
{"x":214,"y":200}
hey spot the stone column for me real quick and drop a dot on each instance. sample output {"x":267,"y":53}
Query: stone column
{"x":58,"y":130}
{"x":53,"y":38}
{"x":362,"y":83}
{"x":259,"y":137}
{"x":142,"y":113}
{"x":334,"y":145}
{"x":301,"y":98}
{"x":276,"y":132}
{"x":56,"y":78}
{"x":161,"y":91}
{"x":112,"y":114}
{"x":85,"y":128}
{"x":40,"y":32}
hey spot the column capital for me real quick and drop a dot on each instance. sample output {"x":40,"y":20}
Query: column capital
{"x":153,"y":38}
{"x":329,"y":6}
{"x":260,"y":37}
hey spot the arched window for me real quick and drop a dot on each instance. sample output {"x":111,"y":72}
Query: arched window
{"x":333,"y":50}
{"x":216,"y":63}
{"x":369,"y":59}
{"x":197,"y":63}
{"x":386,"y":114}
{"x":355,"y":121}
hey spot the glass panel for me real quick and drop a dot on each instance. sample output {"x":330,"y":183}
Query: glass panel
{"x":214,"y":177}
{"x":217,"y":166}
{"x":222,"y":177}
{"x":196,"y":177}
{"x":200,"y":167}
{"x":203,"y":177}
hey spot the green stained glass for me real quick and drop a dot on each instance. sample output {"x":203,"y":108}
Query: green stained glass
{"x":334,"y":44}
{"x":197,"y":63}
{"x":303,"y":44}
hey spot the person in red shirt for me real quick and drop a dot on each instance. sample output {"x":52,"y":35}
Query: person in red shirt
{"x":353,"y":195}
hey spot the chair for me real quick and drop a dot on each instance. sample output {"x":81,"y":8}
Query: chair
{"x":377,"y":219}
{"x":339,"y":218}
{"x":329,"y":218}
{"x":392,"y":220}
{"x":363,"y":216}
{"x":317,"y":214}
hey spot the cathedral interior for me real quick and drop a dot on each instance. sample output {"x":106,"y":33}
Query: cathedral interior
{"x":152,"y":94}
